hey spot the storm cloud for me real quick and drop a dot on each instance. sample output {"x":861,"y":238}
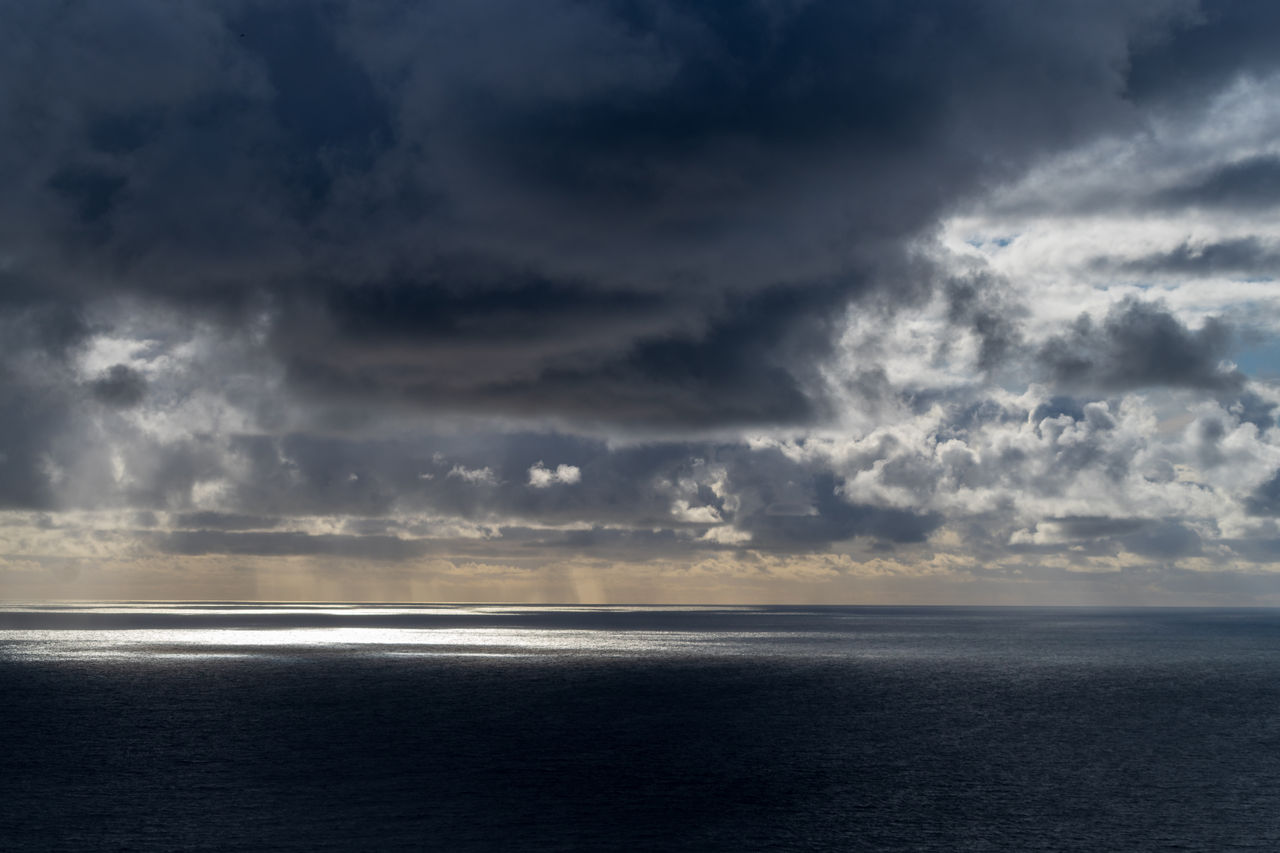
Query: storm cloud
{"x":639,"y":212}
{"x":1138,"y":345}
{"x":735,"y":293}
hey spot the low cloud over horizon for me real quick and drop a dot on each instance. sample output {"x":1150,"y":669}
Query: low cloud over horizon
{"x":641,"y":301}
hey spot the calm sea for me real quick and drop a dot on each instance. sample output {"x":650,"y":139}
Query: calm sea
{"x":220,"y":727}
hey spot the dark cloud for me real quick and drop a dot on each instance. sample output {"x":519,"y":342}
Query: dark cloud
{"x":306,"y":475}
{"x":37,"y":414}
{"x":1209,"y":434}
{"x":91,"y":192}
{"x":1253,"y":409}
{"x":120,"y":385}
{"x":43,"y":330}
{"x":1248,"y":185}
{"x":1140,"y":344}
{"x":823,"y":516}
{"x":1164,"y":540}
{"x":1210,"y":45}
{"x":221,"y":521}
{"x":1257,"y":549}
{"x":1094,"y":536}
{"x":530,"y":346}
{"x":643,"y":213}
{"x":31,"y":418}
{"x":1265,"y":500}
{"x":1243,"y":256}
{"x":334,"y":120}
{"x":988,"y":311}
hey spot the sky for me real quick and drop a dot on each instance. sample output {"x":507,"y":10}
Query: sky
{"x":770,"y":301}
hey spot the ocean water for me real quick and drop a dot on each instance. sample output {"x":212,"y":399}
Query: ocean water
{"x":225,"y":727}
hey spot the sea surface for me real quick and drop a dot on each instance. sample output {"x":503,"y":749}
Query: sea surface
{"x":234,"y":727}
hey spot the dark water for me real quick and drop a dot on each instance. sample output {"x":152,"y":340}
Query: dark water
{"x":258,"y":728}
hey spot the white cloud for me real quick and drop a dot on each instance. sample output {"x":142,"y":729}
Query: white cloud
{"x":542,"y":477}
{"x":726,"y":534}
{"x":681,"y":510}
{"x":476,"y":476}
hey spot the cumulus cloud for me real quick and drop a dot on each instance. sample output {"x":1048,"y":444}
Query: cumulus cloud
{"x":541,"y":477}
{"x":681,"y":511}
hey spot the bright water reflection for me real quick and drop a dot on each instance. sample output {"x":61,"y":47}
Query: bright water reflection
{"x":168,"y":642}
{"x":58,"y":632}
{"x":1010,"y":639}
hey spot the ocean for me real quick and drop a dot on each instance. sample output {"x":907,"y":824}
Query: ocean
{"x":253,"y":727}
